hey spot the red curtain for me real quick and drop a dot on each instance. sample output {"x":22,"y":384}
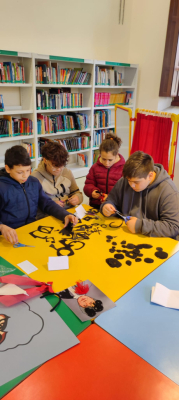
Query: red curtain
{"x":152,"y":135}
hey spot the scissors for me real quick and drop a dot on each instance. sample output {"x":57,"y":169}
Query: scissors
{"x":123,"y":217}
{"x":17,"y":245}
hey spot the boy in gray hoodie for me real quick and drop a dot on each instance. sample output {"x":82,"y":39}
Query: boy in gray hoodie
{"x":146,"y":194}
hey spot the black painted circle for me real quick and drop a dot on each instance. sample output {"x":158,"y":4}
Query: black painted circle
{"x":128,"y":262}
{"x":138,"y":259}
{"x":161,"y":254}
{"x":148,"y":260}
{"x":108,"y":241}
{"x":113,"y":263}
{"x":111,"y":250}
{"x":123,"y":242}
{"x":130,"y":246}
{"x":159,"y":248}
{"x":109,"y":237}
{"x":114,"y":243}
{"x":119,"y":256}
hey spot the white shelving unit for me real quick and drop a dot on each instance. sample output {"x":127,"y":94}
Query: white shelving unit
{"x":20,"y":99}
{"x":129,"y":83}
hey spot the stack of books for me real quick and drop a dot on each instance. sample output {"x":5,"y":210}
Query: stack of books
{"x":58,"y":101}
{"x":30,"y":149}
{"x":106,"y":99}
{"x":15,"y":126}
{"x":47,"y":124}
{"x":76,"y":143}
{"x":102,"y":118}
{"x":107,"y":76}
{"x":64,"y":76}
{"x":71,"y":144}
{"x":99,"y":136}
{"x":11,"y":72}
{"x":95,"y":155}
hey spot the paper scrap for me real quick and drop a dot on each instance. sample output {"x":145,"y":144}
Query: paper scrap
{"x":58,"y":263}
{"x":164,"y":296}
{"x":80,"y":211}
{"x":27,"y":267}
{"x":11,"y":289}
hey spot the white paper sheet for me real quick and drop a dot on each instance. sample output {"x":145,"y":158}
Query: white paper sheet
{"x":58,"y":263}
{"x":165,"y":297}
{"x":11,"y":289}
{"x":27,"y":267}
{"x":80,"y":212}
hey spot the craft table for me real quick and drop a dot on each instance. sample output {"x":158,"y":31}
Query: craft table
{"x":112,"y":258}
{"x":99,"y":368}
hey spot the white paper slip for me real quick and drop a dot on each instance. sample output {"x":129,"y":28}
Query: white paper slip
{"x":27,"y":267}
{"x":164,"y":296}
{"x":80,"y":212}
{"x":11,"y":289}
{"x":58,"y":263}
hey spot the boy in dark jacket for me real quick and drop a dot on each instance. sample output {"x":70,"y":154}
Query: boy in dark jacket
{"x":21,"y":195}
{"x":148,"y":195}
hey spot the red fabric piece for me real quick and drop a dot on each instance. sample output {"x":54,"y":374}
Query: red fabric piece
{"x":152,"y":135}
{"x":102,"y":179}
{"x":23,"y":281}
{"x":172,"y":176}
{"x":81,"y":288}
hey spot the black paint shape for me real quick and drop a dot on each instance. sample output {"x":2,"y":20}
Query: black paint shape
{"x":143,"y":246}
{"x":159,"y":248}
{"x":112,"y":250}
{"x":130,"y":246}
{"x":128,"y":262}
{"x":123,"y":246}
{"x":67,"y":231}
{"x":119,"y":251}
{"x":148,"y":260}
{"x":113,"y":263}
{"x":123,"y":242}
{"x":108,"y":241}
{"x":114,"y":243}
{"x":161,"y":254}
{"x":103,"y":226}
{"x":116,"y":226}
{"x":109,"y":237}
{"x":138,"y":259}
{"x":119,"y":256}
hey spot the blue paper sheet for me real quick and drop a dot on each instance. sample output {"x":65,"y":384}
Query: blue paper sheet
{"x":150,"y":330}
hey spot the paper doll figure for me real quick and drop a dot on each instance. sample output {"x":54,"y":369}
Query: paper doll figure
{"x":3,"y":324}
{"x":85,"y":300}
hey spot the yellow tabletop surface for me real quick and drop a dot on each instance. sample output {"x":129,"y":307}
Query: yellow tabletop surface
{"x":94,"y":243}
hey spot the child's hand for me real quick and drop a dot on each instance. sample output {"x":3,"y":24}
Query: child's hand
{"x":73,"y":200}
{"x":104,"y":197}
{"x":9,"y":234}
{"x":131,"y":224}
{"x":95,"y":194}
{"x":70,"y":218}
{"x":108,"y":210}
{"x":60,"y":203}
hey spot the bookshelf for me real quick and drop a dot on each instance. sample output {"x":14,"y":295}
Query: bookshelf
{"x":21,"y":101}
{"x":128,"y":84}
{"x":18,"y":100}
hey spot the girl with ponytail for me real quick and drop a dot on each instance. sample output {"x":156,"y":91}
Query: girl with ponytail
{"x":104,"y":174}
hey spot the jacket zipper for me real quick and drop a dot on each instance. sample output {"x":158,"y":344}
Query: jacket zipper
{"x":27,"y":203}
{"x":107,"y":181}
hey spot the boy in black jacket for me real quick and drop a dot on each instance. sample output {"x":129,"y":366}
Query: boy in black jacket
{"x":21,"y":195}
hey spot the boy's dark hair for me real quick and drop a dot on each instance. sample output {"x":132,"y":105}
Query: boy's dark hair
{"x":138,"y":165}
{"x":56,"y":153}
{"x":91,"y":311}
{"x":17,"y":155}
{"x":110,"y":143}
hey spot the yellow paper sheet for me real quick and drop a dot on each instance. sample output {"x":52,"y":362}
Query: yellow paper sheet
{"x":88,"y":261}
